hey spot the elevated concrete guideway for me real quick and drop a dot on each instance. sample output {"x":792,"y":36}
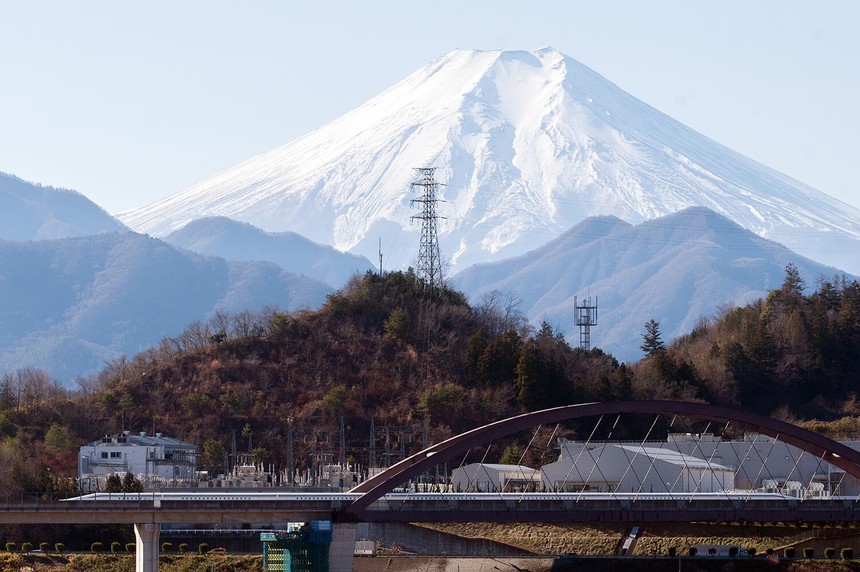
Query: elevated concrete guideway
{"x":134,"y":508}
{"x":447,"y":507}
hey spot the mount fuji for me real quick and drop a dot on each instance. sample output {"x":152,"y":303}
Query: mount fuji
{"x":525,"y":145}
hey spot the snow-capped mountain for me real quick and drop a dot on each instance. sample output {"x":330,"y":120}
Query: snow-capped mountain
{"x":232,"y":240}
{"x":35,"y":212}
{"x":527,"y":145}
{"x":675,"y":269}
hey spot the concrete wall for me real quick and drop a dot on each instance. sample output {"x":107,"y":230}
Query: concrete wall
{"x":419,"y":540}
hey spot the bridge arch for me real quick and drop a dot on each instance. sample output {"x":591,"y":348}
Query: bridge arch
{"x":827,"y":449}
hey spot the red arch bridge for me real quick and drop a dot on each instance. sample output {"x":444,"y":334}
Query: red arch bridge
{"x":382,"y":498}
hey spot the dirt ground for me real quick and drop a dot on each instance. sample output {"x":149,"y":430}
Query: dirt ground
{"x":655,"y":540}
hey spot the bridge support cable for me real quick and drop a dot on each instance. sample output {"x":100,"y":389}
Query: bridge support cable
{"x":709,"y":463}
{"x":523,"y":456}
{"x":595,"y":465}
{"x":795,"y":468}
{"x":837,"y":454}
{"x":671,"y":487}
{"x":746,"y":456}
{"x":818,"y":467}
{"x":630,"y":462}
{"x":547,"y":448}
{"x":686,"y":464}
{"x":574,"y":463}
{"x":652,"y":461}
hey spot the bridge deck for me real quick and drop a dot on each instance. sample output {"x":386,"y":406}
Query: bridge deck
{"x":435,"y":507}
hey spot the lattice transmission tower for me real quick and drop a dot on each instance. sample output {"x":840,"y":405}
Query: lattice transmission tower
{"x":429,"y":261}
{"x":585,"y":316}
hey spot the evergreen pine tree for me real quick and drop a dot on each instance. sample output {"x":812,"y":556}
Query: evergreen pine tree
{"x":651,"y":339}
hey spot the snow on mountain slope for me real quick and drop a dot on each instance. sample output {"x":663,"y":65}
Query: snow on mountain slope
{"x":34,"y":212}
{"x":231,"y":240}
{"x":675,"y":269}
{"x":527,"y":145}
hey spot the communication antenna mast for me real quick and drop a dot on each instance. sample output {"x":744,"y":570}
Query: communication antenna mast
{"x":429,"y":261}
{"x":585,"y":316}
{"x":380,"y":257}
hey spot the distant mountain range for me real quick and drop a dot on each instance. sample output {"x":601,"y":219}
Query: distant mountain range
{"x":527,"y":145}
{"x":34,"y":212}
{"x":220,"y":236}
{"x":70,"y":305}
{"x":676,"y":270}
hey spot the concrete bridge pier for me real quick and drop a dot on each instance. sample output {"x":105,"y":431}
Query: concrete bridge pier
{"x":146,"y":538}
{"x":342,"y":547}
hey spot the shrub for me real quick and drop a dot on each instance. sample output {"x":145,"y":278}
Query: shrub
{"x":26,"y":546}
{"x":203,"y":548}
{"x":769,"y":552}
{"x":44,"y":547}
{"x":166,"y":547}
{"x":789,"y":552}
{"x":733,"y":551}
{"x":830,"y":553}
{"x":847,"y":553}
{"x":692,"y":551}
{"x":59,"y":547}
{"x":751,"y":551}
{"x":114,"y":546}
{"x":11,"y":547}
{"x":808,"y":552}
{"x":183,"y":548}
{"x":130,"y":547}
{"x":97,"y":546}
{"x":672,"y":551}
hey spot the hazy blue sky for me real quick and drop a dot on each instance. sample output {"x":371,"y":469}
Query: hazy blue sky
{"x":129,"y":102}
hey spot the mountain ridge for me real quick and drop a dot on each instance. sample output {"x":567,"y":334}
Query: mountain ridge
{"x":237,"y":241}
{"x":71,"y":305}
{"x":676,"y":270}
{"x":30,"y":211}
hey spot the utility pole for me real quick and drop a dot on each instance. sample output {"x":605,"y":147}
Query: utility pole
{"x":429,"y":261}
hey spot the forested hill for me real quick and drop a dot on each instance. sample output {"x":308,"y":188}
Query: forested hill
{"x":793,"y":354}
{"x":383,"y":351}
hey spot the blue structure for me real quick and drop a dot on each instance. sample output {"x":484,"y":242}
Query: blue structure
{"x":303,"y":548}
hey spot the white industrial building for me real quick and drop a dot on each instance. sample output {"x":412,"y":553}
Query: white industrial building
{"x":625,"y":467}
{"x":691,"y":462}
{"x":154,"y":459}
{"x":480,"y":477}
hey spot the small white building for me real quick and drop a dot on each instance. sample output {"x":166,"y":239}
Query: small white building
{"x":621,"y":467}
{"x":481,"y":477}
{"x":154,"y":459}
